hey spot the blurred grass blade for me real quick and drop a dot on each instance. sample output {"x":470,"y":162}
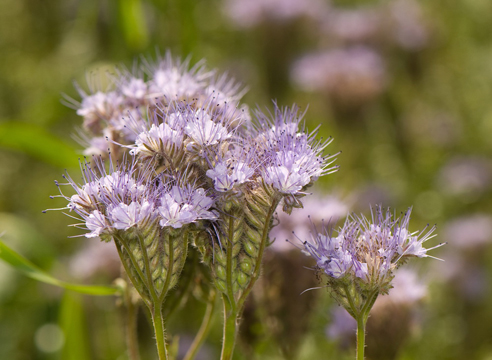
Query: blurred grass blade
{"x":38,"y":143}
{"x":25,"y":266}
{"x":133,"y":23}
{"x":72,"y":322}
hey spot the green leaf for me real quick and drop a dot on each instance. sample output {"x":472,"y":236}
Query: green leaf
{"x":35,"y":141}
{"x":29,"y":269}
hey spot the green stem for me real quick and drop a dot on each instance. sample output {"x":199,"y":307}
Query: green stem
{"x":158,"y":322}
{"x":362,"y":317}
{"x":204,"y":328}
{"x":230,"y":329}
{"x":361,"y":334}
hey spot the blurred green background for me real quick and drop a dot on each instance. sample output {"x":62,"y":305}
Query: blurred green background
{"x":422,"y":138}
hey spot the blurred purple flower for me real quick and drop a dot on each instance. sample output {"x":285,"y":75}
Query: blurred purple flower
{"x":354,"y":74}
{"x":465,"y":176}
{"x":468,"y":232}
{"x":249,"y":13}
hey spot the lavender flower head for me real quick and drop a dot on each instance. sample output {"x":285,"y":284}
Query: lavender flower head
{"x":115,"y":113}
{"x":122,"y":200}
{"x":290,"y":158}
{"x":368,"y":251}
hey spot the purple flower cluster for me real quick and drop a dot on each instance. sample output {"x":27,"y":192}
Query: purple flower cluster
{"x":121,"y":200}
{"x":184,"y":126}
{"x":291,"y":158}
{"x":112,"y":114}
{"x":369,"y":249}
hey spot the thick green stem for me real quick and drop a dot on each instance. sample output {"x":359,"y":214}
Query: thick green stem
{"x":361,"y":335}
{"x":230,"y":329}
{"x":160,"y":336}
{"x":204,"y":328}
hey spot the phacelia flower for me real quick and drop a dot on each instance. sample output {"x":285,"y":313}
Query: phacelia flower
{"x":291,"y":158}
{"x":182,"y":206}
{"x":119,"y":112}
{"x":126,"y":216}
{"x":232,"y":170}
{"x":157,"y":140}
{"x":369,"y":249}
{"x":203,"y":131}
{"x":97,"y":223}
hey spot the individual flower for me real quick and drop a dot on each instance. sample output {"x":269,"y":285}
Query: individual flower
{"x":126,"y":216}
{"x":203,"y":130}
{"x":232,"y":170}
{"x":97,"y":223}
{"x":175,"y":79}
{"x":159,"y":139}
{"x":181,"y":206}
{"x":226,"y":177}
{"x":100,"y":105}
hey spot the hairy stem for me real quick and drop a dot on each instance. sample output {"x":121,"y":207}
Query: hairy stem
{"x":204,"y":327}
{"x":160,"y":336}
{"x":362,"y":317}
{"x":230,"y":329}
{"x":361,"y":335}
